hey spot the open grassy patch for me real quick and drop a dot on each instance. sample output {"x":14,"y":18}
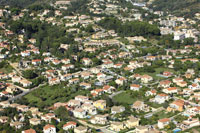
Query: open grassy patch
{"x":6,"y":68}
{"x":46,"y":96}
{"x":194,"y":129}
{"x":159,"y":71}
{"x":124,"y":98}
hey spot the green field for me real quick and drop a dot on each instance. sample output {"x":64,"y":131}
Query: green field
{"x":124,"y":98}
{"x":6,"y":69}
{"x":48,"y":95}
{"x":193,"y":130}
{"x":158,"y":71}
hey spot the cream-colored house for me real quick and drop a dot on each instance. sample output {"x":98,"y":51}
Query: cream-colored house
{"x":34,"y":121}
{"x":141,"y":129}
{"x":132,"y":122}
{"x":80,"y":129}
{"x":117,"y":126}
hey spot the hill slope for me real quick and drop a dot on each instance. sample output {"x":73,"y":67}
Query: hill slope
{"x":178,"y":7}
{"x":20,"y":3}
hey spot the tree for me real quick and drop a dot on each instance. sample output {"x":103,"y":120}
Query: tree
{"x":158,"y":63}
{"x":62,"y":113}
{"x":109,"y":101}
{"x":177,"y":65}
{"x":96,"y":61}
{"x":170,"y":126}
{"x":89,"y":29}
{"x":16,"y":26}
{"x":130,"y":28}
{"x":179,"y":7}
{"x":3,"y":64}
{"x":149,"y":69}
{"x":29,"y":74}
{"x":188,"y":41}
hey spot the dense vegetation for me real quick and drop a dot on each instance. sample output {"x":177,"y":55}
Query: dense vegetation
{"x":79,"y":6}
{"x":130,"y":28}
{"x":18,"y":3}
{"x":47,"y":38}
{"x":180,"y":7}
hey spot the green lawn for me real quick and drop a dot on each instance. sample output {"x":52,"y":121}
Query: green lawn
{"x":7,"y":69}
{"x":163,"y":114}
{"x":48,"y":95}
{"x":197,"y":129}
{"x":158,"y":71}
{"x":159,"y":115}
{"x":124,"y":98}
{"x":154,"y":105}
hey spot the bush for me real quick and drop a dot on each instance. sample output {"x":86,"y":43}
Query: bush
{"x":29,"y":74}
{"x":3,"y":64}
{"x":130,"y":28}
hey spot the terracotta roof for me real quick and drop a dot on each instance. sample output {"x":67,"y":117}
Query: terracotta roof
{"x":194,"y":85}
{"x":178,"y":79}
{"x":162,"y":95}
{"x":70,"y":123}
{"x":135,"y":85}
{"x":164,"y":82}
{"x":137,"y":104}
{"x":178,"y":102}
{"x":36,"y":60}
{"x":48,"y":126}
{"x":171,"y":88}
{"x":153,"y":91}
{"x":164,"y":120}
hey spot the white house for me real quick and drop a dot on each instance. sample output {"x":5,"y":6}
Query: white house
{"x":25,"y":82}
{"x":146,"y":78}
{"x":179,"y":35}
{"x":81,"y":98}
{"x":79,"y":113}
{"x":25,"y":53}
{"x":80,"y":129}
{"x":163,"y":122}
{"x":49,"y":129}
{"x":170,"y":90}
{"x":16,"y":124}
{"x":161,"y":98}
{"x":74,"y":103}
{"x":69,"y":125}
{"x":135,"y":87}
{"x":99,"y":119}
{"x":191,"y":123}
{"x":194,"y":86}
{"x":117,"y":109}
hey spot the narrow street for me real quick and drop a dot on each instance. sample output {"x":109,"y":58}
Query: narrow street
{"x":15,"y":66}
{"x":116,"y":93}
{"x":24,"y":93}
{"x":103,"y":129}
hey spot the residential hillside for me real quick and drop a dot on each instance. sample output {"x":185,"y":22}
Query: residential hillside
{"x":91,"y":66}
{"x":179,"y":7}
{"x":20,"y":3}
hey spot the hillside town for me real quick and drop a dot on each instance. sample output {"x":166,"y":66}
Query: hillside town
{"x":80,"y":73}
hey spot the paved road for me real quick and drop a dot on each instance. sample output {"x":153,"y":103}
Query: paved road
{"x":103,"y":129}
{"x":154,"y":112}
{"x":110,"y":72}
{"x":14,"y":65}
{"x":116,"y":93}
{"x":24,"y":93}
{"x":21,"y":88}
